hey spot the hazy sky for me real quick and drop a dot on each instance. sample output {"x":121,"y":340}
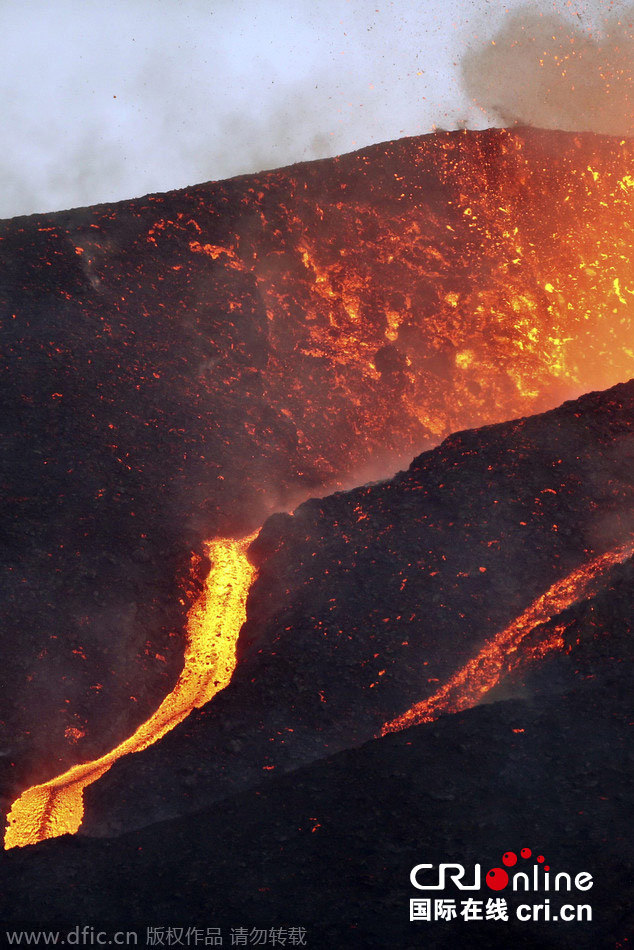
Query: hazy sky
{"x":110,"y":99}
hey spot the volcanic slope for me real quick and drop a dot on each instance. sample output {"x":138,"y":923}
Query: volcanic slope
{"x":329,"y":847}
{"x":367,"y":602}
{"x":177,"y":367}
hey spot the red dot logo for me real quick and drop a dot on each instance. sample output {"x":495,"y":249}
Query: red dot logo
{"x":526,"y":852}
{"x":497,"y":879}
{"x":509,"y":859}
{"x":540,"y":859}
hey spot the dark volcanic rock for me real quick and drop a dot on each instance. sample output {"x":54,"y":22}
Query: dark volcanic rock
{"x":177,"y":367}
{"x":330,"y":846}
{"x":391,"y":569}
{"x":368,"y":600}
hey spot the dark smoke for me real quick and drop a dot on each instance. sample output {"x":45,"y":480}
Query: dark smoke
{"x":552,"y":71}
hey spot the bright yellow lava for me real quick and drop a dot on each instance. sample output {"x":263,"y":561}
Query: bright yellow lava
{"x":467,"y":687}
{"x":56,"y":807}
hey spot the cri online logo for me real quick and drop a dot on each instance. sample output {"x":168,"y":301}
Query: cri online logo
{"x":536,"y":877}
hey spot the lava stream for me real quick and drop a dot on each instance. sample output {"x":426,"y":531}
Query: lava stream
{"x":467,"y":687}
{"x":56,"y":807}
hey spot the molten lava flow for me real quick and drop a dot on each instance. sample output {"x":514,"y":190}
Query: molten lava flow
{"x":56,"y":807}
{"x":467,"y":687}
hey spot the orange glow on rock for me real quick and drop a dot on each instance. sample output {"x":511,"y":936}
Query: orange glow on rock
{"x":467,"y":687}
{"x":214,"y":622}
{"x":495,"y":302}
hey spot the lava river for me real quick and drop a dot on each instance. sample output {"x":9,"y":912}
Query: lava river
{"x":214,"y":622}
{"x":507,"y":650}
{"x":56,"y":807}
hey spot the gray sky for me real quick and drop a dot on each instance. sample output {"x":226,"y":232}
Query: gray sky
{"x":110,"y":99}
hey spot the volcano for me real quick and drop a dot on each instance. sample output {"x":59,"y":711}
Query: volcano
{"x":367,"y":601}
{"x":298,"y":811}
{"x":191,"y":366}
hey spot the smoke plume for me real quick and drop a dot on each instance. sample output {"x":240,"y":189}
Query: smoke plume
{"x":552,"y":71}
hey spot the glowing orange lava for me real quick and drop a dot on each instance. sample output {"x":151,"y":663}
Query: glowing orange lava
{"x":421,"y":287}
{"x":56,"y":807}
{"x":467,"y":687}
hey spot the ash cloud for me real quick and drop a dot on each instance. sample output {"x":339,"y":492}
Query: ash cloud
{"x":105,"y":102}
{"x":555,"y":71}
{"x":124,"y":99}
